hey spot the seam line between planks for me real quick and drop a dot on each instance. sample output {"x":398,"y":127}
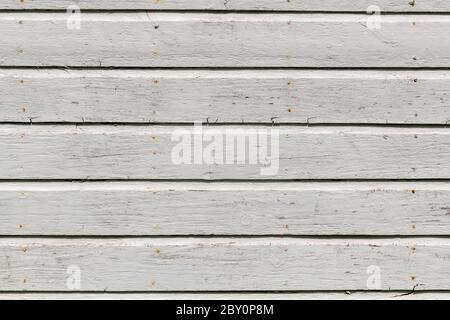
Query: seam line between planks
{"x":228,"y":292}
{"x":230,"y":11}
{"x":261,"y":181}
{"x":269,"y":68}
{"x":224,"y":124}
{"x":225,"y":237}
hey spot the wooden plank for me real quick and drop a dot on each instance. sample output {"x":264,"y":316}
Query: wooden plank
{"x":189,"y":208}
{"x":234,"y":96}
{"x":283,"y":5}
{"x":155,"y":152}
{"x":232,"y":40}
{"x":391,"y":295}
{"x":223,"y":264}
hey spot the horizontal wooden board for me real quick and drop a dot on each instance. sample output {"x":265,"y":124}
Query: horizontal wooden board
{"x":304,"y":5}
{"x":217,"y":40}
{"x":188,"y":208}
{"x":361,"y":295}
{"x":223,"y":264}
{"x":152,"y":152}
{"x":234,"y":96}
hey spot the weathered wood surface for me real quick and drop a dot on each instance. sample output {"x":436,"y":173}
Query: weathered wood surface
{"x":223,"y":264}
{"x":232,"y":40}
{"x":188,"y":208}
{"x":360,"y":295}
{"x":145,"y":152}
{"x":234,"y":96}
{"x":156,"y":237}
{"x":270,"y":5}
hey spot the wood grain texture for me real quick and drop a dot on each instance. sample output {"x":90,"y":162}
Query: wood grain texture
{"x":283,"y":5}
{"x":188,"y":208}
{"x":234,"y":96}
{"x":217,"y":40}
{"x":223,"y":264}
{"x":155,"y":238}
{"x":391,"y":295}
{"x":145,"y":152}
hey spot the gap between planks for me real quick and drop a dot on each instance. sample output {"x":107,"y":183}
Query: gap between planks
{"x":204,"y":295}
{"x":228,"y":11}
{"x":68,"y":69}
{"x":240,"y":5}
{"x":235,"y":125}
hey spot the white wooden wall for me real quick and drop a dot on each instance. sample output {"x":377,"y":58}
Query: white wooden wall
{"x":87,"y":182}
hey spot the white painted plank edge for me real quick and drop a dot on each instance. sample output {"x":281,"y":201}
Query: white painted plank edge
{"x":218,"y":40}
{"x":233,"y":264}
{"x":234,"y":96}
{"x":151,"y":152}
{"x":189,"y":208}
{"x":392,"y":295}
{"x":282,"y":5}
